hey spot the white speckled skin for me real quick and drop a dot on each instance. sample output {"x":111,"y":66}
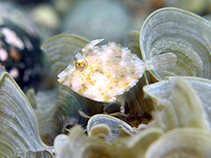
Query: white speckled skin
{"x":109,"y":71}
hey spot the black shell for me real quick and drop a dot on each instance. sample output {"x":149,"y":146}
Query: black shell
{"x":26,"y":60}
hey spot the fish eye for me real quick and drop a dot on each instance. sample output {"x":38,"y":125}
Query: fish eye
{"x":81,"y":64}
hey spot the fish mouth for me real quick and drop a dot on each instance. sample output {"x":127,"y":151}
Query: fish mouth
{"x":61,"y":77}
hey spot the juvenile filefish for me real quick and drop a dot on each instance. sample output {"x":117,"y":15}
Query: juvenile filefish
{"x":102,"y":73}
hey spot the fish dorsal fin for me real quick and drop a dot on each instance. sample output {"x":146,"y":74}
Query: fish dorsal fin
{"x":92,"y":43}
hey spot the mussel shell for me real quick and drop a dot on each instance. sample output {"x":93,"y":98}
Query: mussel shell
{"x":79,"y":145}
{"x":39,"y":154}
{"x":181,"y":142}
{"x":185,"y":34}
{"x":136,"y":104}
{"x":133,"y":42}
{"x":203,"y":89}
{"x":62,"y":48}
{"x":112,"y":108}
{"x":18,"y":125}
{"x":20,"y":17}
{"x":65,"y":113}
{"x":178,"y":105}
{"x":141,"y":141}
{"x":100,"y":131}
{"x":20,"y":46}
{"x":112,"y":122}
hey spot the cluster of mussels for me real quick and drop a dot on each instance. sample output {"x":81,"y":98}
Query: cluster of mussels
{"x":165,"y":114}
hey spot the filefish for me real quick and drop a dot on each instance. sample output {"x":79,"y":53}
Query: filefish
{"x":102,"y":73}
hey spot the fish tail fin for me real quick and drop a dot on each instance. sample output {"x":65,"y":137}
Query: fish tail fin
{"x":162,"y":61}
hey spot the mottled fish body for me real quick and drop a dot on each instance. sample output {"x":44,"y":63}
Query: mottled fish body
{"x":102,"y":73}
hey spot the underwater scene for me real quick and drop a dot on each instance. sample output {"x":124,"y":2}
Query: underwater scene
{"x":105,"y":79}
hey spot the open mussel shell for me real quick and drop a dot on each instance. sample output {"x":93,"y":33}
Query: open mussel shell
{"x":118,"y":128}
{"x":185,"y":34}
{"x":65,"y":113}
{"x":61,"y":49}
{"x":39,"y":154}
{"x":133,"y":42}
{"x":140,"y":142}
{"x":178,"y":105}
{"x":19,"y":16}
{"x":79,"y":145}
{"x":181,"y":142}
{"x":57,"y":110}
{"x":101,"y":131}
{"x":136,"y":105}
{"x":18,"y":125}
{"x":203,"y":89}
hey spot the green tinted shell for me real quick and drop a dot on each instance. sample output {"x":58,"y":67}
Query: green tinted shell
{"x":185,"y":34}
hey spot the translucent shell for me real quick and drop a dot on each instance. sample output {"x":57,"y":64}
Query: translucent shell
{"x":118,"y":128}
{"x":78,"y":145}
{"x":176,"y":99}
{"x":66,"y":48}
{"x":19,"y":133}
{"x":181,"y":142}
{"x":185,"y":34}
